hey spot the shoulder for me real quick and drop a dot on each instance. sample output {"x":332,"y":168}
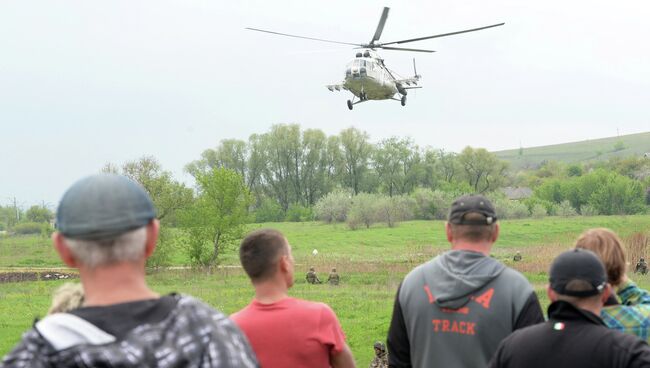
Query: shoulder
{"x":198,"y":313}
{"x":30,"y":351}
{"x":310,"y":306}
{"x":419,"y":271}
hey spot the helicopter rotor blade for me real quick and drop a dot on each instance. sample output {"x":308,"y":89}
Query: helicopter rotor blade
{"x":403,"y":49}
{"x":442,"y":35}
{"x":380,"y":26}
{"x":306,"y":38}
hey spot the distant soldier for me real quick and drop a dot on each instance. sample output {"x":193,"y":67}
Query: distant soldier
{"x":517,"y":257}
{"x":641,"y":267}
{"x":381,"y":356}
{"x":312,"y":278}
{"x":333,"y":278}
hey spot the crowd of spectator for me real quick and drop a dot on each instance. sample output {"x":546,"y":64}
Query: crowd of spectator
{"x":461,"y":309}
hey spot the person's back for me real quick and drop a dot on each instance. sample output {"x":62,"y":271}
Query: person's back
{"x":284,"y":331}
{"x":181,"y":332}
{"x":107,"y":229}
{"x":574,"y":335}
{"x":629,"y":310}
{"x":461,"y":301}
{"x":291,"y":332}
{"x":579,"y":343}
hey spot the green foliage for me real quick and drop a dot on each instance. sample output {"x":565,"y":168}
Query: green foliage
{"x":39,"y":214}
{"x":538,"y":211}
{"x":168,"y":240}
{"x":483,"y":171}
{"x":24,"y":228}
{"x":432,"y":204}
{"x":574,"y":170}
{"x":364,"y":210}
{"x":619,"y":146}
{"x":299,"y":213}
{"x":565,"y":209}
{"x":333,"y":207}
{"x":216,"y":219}
{"x":588,"y":210}
{"x":269,"y":211}
{"x":618,"y":195}
{"x":507,"y":208}
{"x":393,"y":210}
{"x":167,"y":194}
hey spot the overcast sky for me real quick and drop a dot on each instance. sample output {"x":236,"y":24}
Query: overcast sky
{"x":83,"y":83}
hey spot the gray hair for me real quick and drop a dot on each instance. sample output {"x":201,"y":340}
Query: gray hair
{"x":129,"y":246}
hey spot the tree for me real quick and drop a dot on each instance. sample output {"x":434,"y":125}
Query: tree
{"x":483,"y":170}
{"x":216,"y":218}
{"x":398,"y":166}
{"x":167,"y":194}
{"x":356,"y":154}
{"x":39,"y":214}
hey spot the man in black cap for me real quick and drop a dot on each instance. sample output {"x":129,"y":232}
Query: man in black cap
{"x":107,"y":229}
{"x":455,"y":309}
{"x":575,"y":335}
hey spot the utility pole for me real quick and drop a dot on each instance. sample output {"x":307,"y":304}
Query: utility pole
{"x":16,"y":210}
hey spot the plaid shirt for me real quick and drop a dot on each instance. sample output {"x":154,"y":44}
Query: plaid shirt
{"x":633,"y":314}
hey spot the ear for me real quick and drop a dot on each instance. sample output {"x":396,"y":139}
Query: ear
{"x":450,"y":237}
{"x":284,"y":263}
{"x":64,"y":252}
{"x":495,"y":235}
{"x":606,"y":293}
{"x":552,"y":295}
{"x":153,"y":229}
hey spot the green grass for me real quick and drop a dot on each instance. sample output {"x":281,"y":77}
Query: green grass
{"x":584,"y":151}
{"x":371,"y":263}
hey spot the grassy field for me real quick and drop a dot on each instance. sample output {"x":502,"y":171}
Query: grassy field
{"x":371,"y":262}
{"x":584,"y":151}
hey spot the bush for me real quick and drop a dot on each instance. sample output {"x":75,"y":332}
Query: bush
{"x":24,"y":228}
{"x":538,"y":211}
{"x":333,"y":207}
{"x":509,"y":209}
{"x":395,"y":209}
{"x":299,"y":213}
{"x":431,"y":204}
{"x":565,"y":209}
{"x":269,"y":211}
{"x":588,"y":210}
{"x":364,"y":210}
{"x":167,"y":241}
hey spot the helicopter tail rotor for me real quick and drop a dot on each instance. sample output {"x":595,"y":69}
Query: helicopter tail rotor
{"x":415,"y":71}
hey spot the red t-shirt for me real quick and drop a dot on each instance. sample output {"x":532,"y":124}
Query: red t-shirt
{"x":291,"y":333}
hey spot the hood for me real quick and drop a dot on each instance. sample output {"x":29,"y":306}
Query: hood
{"x":456,"y":275}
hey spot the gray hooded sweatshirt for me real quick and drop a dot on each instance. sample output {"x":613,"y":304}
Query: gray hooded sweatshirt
{"x":454,"y":310}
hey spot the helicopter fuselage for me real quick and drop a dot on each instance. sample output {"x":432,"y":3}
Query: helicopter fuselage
{"x":368,"y":79}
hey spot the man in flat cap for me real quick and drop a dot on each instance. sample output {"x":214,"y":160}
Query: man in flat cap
{"x":574,"y":335}
{"x":107,"y":229}
{"x":455,"y":309}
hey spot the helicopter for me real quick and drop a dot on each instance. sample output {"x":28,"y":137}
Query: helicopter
{"x":367,"y":77}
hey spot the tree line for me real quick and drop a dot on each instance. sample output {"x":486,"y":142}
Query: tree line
{"x":291,"y":174}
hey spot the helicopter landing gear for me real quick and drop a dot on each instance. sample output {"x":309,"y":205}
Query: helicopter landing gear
{"x":350,"y":104}
{"x":403,"y":100}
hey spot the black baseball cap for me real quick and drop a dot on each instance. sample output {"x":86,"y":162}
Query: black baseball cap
{"x":578,"y":264}
{"x":472,"y":204}
{"x":103,"y":206}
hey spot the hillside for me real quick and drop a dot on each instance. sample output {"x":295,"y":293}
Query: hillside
{"x":584,"y":151}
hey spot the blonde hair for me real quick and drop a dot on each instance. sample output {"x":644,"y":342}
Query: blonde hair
{"x":608,"y":247}
{"x":67,"y":297}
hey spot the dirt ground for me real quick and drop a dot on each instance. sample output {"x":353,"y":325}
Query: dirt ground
{"x":14,"y":276}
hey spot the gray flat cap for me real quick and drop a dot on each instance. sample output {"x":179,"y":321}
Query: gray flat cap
{"x":103,"y":206}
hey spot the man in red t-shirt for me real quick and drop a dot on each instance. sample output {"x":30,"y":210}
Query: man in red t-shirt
{"x":284,"y":331}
